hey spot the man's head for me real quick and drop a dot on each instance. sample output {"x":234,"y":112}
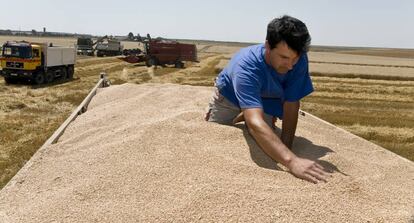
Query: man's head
{"x":286,"y":39}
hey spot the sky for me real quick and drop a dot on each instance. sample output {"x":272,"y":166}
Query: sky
{"x":360,"y":23}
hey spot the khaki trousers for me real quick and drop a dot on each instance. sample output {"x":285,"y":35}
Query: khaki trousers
{"x":222,"y":111}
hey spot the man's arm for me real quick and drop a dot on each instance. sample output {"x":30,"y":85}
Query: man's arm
{"x":290,"y":121}
{"x":274,"y":147}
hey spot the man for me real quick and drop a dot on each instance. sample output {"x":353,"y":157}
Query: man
{"x":265,"y":82}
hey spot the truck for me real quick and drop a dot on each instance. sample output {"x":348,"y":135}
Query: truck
{"x":85,"y":46}
{"x":162,"y":52}
{"x":38,"y":62}
{"x":108,"y":47}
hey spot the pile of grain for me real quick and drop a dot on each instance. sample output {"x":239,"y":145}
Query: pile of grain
{"x":142,"y":153}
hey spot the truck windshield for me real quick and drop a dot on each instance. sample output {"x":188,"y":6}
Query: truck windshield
{"x":84,"y":42}
{"x":17,"y":51}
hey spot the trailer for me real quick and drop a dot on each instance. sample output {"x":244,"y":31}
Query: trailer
{"x":37,"y":62}
{"x":108,"y":47}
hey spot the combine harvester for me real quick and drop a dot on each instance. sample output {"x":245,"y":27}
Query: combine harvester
{"x":162,"y":52}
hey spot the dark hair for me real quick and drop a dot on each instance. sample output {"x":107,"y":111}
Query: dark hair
{"x":291,"y":30}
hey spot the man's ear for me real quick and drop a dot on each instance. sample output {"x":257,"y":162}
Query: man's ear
{"x":267,"y":52}
{"x":267,"y":45}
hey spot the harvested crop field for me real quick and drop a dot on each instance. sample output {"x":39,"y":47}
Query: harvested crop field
{"x":370,"y":106}
{"x":381,"y":111}
{"x":143,"y":153}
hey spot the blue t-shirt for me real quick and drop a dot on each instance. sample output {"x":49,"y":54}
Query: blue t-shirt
{"x":249,"y":82}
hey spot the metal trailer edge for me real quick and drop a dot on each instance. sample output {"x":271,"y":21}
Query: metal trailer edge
{"x":82,"y":108}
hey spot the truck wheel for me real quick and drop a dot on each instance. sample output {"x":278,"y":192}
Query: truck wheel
{"x":50,"y":76}
{"x":179,"y":64}
{"x":151,"y":62}
{"x":70,"y":72}
{"x":39,"y":78}
{"x":63,"y":73}
{"x":9,"y":80}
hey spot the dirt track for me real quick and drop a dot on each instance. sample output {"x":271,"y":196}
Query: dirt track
{"x":143,"y":153}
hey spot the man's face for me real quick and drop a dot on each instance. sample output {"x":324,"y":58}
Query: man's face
{"x":281,"y":58}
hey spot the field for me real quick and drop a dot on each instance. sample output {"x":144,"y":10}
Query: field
{"x":371,"y":96}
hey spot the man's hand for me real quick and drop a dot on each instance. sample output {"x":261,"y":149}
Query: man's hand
{"x":238,"y":118}
{"x":307,"y":170}
{"x":274,"y":147}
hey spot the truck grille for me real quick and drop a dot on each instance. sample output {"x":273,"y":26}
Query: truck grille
{"x":14,"y":64}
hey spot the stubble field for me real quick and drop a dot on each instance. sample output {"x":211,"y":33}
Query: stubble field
{"x":370,"y":96}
